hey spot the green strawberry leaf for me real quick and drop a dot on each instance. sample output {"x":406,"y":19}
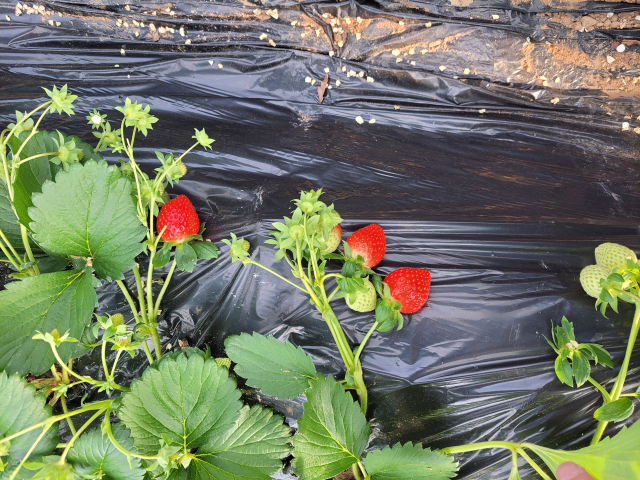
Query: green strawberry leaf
{"x":21,"y":407}
{"x":278,"y":369}
{"x":251,"y":449}
{"x":409,"y":461}
{"x":616,"y":411}
{"x":332,"y":431}
{"x":205,"y":250}
{"x":62,"y":300}
{"x":188,"y":352}
{"x":10,"y":226}
{"x":186,"y":402}
{"x":32,"y":174}
{"x":581,"y":368}
{"x":94,"y":454}
{"x":185,"y":257}
{"x":567,"y":327}
{"x":9,"y":223}
{"x":564,"y":371}
{"x":162,"y":256}
{"x":89,"y":212}
{"x":611,"y":459}
{"x":601,"y":355}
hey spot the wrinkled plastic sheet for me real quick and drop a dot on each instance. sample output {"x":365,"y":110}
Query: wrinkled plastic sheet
{"x":503,"y":207}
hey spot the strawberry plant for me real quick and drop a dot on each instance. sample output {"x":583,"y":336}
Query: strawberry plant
{"x":332,"y":432}
{"x":307,"y":241}
{"x":69,"y":222}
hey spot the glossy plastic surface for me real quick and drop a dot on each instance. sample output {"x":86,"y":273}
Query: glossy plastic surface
{"x":503,"y":207}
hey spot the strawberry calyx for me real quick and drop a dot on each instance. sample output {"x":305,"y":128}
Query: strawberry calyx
{"x":387,"y":308}
{"x":353,"y":264}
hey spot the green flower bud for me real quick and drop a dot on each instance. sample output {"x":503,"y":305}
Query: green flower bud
{"x":306,"y":207}
{"x":296,"y":232}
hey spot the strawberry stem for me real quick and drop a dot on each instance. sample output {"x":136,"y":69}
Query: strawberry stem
{"x":143,"y":308}
{"x":619,"y":383}
{"x":164,"y":289}
{"x":151,"y":315}
{"x":601,"y":389}
{"x":532,"y":463}
{"x":14,"y":261}
{"x":27,"y":247}
{"x":78,"y":433}
{"x":132,"y":304}
{"x":106,"y":425}
{"x":364,"y":341}
{"x":29,"y":452}
{"x":33,"y":132}
{"x":253,"y":262}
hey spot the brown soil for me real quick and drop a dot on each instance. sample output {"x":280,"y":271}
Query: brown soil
{"x":527,"y":64}
{"x":346,"y":475}
{"x":573,"y":3}
{"x":563,"y":54}
{"x":344,"y":27}
{"x":596,"y":21}
{"x":570,"y":67}
{"x":614,"y":87}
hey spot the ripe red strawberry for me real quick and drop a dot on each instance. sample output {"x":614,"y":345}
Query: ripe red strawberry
{"x":180,"y":218}
{"x":410,"y":287}
{"x":368,"y":242}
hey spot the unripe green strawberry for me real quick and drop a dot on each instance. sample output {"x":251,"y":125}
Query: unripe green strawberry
{"x":613,"y":255}
{"x":183,"y":168}
{"x":117,"y":319}
{"x":590,"y":279}
{"x":126,"y":169}
{"x":332,"y":244}
{"x":365,"y":301}
{"x":246,"y":245}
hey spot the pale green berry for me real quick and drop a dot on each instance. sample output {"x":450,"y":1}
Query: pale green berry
{"x":365,"y":301}
{"x":590,"y":279}
{"x":306,"y":207}
{"x":333,"y":242}
{"x":613,"y":255}
{"x":246,"y":245}
{"x":117,"y":320}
